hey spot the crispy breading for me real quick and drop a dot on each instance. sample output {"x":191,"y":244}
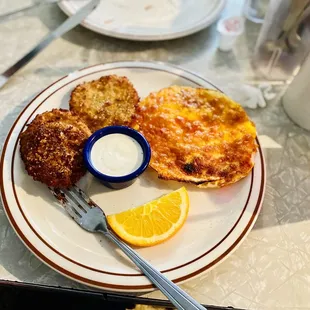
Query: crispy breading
{"x":197,"y":135}
{"x":51,"y":148}
{"x":110,"y":100}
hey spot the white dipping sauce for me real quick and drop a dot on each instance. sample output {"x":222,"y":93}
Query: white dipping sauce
{"x":116,"y":154}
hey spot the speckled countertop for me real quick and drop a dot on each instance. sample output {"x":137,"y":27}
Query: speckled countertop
{"x":271,"y":269}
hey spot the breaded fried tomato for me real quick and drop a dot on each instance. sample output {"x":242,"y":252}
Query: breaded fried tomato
{"x":110,"y":100}
{"x":51,"y":148}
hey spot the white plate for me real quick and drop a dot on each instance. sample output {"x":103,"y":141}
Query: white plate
{"x":218,"y":220}
{"x":148,"y":20}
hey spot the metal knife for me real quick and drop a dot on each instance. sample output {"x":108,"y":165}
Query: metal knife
{"x":67,"y":25}
{"x":15,"y":13}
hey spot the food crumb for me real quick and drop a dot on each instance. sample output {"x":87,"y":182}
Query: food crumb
{"x":148,"y":7}
{"x":109,"y":21}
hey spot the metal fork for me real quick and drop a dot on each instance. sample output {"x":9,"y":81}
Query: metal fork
{"x":91,"y":217}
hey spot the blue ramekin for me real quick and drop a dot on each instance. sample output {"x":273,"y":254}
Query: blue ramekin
{"x":112,"y":181}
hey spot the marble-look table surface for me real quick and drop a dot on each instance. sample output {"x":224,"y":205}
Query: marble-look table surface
{"x":271,"y":268}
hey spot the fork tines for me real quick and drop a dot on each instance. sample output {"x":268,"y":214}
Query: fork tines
{"x":75,"y":201}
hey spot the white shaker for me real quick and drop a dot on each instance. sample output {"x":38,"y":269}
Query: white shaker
{"x":229,"y":30}
{"x":296,"y":99}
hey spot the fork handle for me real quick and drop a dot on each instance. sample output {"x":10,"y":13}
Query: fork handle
{"x":174,"y":293}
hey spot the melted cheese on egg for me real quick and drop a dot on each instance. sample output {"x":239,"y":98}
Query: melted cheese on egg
{"x":197,"y":135}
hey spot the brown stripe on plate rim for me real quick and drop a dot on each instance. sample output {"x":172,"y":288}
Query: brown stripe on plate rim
{"x":100,"y":270}
{"x":96,"y":283}
{"x":160,"y":63}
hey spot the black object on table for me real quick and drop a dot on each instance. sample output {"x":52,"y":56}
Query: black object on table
{"x":14,"y":295}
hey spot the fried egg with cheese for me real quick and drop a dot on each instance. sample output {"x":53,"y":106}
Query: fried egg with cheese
{"x":197,"y":135}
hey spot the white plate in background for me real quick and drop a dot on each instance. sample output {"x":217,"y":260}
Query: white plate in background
{"x":148,"y":20}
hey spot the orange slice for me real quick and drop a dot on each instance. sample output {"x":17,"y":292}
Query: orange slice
{"x":153,"y":222}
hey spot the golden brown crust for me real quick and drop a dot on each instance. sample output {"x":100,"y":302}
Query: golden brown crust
{"x":51,"y":148}
{"x":197,"y":135}
{"x":111,"y":100}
